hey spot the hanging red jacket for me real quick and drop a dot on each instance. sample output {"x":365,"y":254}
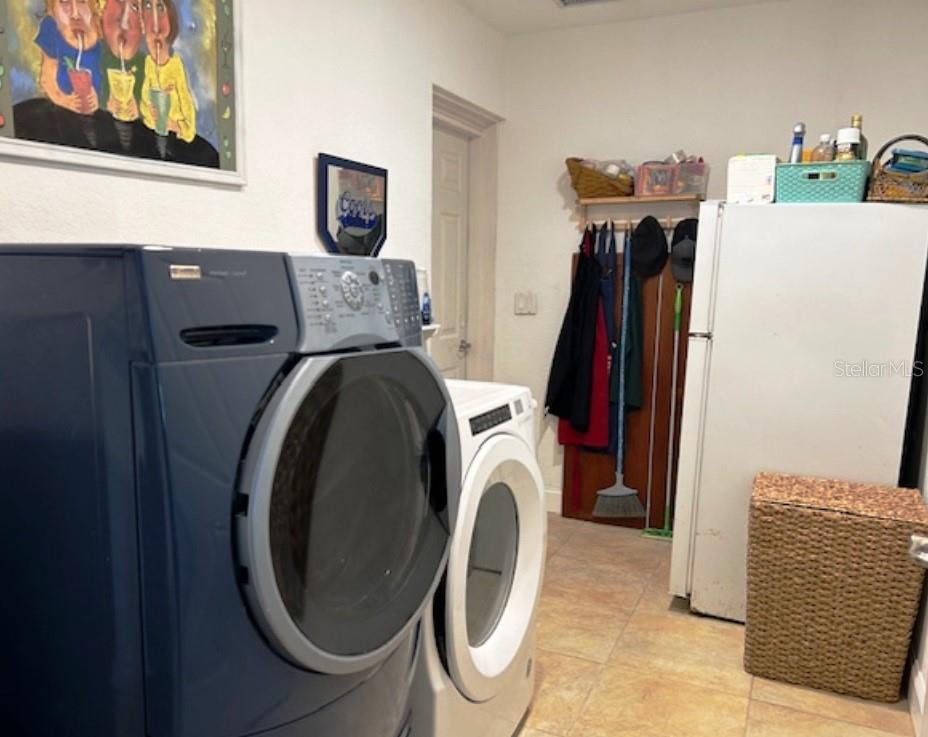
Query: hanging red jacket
{"x":596,"y":434}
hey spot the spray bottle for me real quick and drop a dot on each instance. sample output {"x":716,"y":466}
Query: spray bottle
{"x":799,"y":134}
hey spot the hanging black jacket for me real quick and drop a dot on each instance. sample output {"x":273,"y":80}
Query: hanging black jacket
{"x":570,"y":380}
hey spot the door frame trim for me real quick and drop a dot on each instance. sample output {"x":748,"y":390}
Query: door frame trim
{"x":480,"y":126}
{"x":461,"y":116}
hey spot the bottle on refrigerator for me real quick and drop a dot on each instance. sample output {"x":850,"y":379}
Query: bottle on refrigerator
{"x":848,"y":144}
{"x":825,"y":151}
{"x":795,"y":152}
{"x":857,"y":121}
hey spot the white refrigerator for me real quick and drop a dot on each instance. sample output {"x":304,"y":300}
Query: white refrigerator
{"x":803,"y":326}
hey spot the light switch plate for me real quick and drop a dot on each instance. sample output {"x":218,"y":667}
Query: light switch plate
{"x":526,"y":303}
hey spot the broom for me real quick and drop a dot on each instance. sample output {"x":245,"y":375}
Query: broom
{"x":620,"y":501}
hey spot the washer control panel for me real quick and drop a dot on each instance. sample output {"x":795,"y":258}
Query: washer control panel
{"x":404,"y":296}
{"x":353,"y":302}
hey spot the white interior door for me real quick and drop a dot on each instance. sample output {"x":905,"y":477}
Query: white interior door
{"x":449,"y":252}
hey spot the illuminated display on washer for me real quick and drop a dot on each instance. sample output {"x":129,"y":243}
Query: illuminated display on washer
{"x":489,"y":420}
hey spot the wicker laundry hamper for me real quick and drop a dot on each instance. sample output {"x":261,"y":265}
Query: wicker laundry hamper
{"x":832,"y":594}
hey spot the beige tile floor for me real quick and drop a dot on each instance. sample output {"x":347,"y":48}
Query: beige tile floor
{"x":619,"y":657}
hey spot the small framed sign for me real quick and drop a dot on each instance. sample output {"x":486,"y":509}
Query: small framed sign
{"x":351,"y":208}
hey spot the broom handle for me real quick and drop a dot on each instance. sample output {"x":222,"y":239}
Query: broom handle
{"x":677,"y":312}
{"x":623,"y":336}
{"x":657,"y":350}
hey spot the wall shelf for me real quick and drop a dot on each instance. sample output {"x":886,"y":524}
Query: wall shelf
{"x":681,"y":200}
{"x":631,"y":199}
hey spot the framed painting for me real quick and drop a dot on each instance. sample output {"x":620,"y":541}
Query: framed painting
{"x":144,"y":86}
{"x":351,"y":206}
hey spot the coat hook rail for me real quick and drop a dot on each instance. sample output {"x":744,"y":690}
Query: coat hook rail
{"x":631,"y":223}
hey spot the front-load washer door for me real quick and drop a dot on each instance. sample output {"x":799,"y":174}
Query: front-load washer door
{"x":346,"y":530}
{"x":495,"y":565}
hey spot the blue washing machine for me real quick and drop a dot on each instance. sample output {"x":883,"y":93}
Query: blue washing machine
{"x":226,"y":479}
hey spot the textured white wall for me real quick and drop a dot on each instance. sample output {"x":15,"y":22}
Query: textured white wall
{"x":714,"y":83}
{"x":348,"y":77}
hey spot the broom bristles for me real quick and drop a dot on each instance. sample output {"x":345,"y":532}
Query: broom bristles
{"x":618,"y":502}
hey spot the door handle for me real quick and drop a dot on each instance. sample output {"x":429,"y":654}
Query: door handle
{"x":464,"y":347}
{"x":918,"y":550}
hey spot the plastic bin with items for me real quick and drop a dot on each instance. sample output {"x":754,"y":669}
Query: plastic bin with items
{"x":677,"y":175}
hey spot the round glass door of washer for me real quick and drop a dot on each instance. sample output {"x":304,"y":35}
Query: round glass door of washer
{"x":492,"y":561}
{"x":347,"y":523}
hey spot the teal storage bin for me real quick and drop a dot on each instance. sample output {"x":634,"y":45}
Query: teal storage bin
{"x":828,"y":181}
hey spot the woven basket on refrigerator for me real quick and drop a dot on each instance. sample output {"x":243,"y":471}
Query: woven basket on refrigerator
{"x":892,"y":186}
{"x":832,"y":595}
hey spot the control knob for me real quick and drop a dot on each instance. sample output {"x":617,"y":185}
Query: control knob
{"x":351,"y":290}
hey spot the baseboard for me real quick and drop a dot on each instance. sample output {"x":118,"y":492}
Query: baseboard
{"x":553,"y":500}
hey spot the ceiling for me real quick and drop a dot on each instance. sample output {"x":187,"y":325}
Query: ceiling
{"x":526,"y":16}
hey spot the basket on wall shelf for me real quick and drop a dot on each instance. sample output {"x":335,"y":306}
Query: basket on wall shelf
{"x":591,"y":183}
{"x":892,"y":186}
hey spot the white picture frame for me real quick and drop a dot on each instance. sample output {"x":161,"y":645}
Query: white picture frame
{"x":24,"y":151}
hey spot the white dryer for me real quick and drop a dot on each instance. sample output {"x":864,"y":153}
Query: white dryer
{"x":475,"y":676}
